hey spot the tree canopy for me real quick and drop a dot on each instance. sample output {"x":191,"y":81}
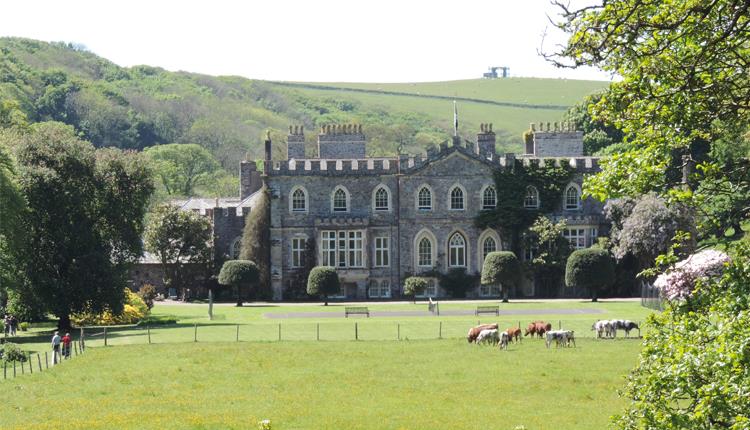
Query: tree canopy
{"x":501,"y":267}
{"x":323,"y":281}
{"x":240,"y":274}
{"x":592,"y":269}
{"x":414,"y":285}
{"x":182,"y":167}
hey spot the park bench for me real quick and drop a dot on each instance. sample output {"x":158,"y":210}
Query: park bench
{"x":488,"y":310}
{"x":353,"y":310}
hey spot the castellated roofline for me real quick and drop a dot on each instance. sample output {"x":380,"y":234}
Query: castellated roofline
{"x":554,"y":127}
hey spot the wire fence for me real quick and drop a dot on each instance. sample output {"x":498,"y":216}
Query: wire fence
{"x":651,"y":297}
{"x":42,"y":361}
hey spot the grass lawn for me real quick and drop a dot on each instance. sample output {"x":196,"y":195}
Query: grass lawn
{"x":426,"y":384}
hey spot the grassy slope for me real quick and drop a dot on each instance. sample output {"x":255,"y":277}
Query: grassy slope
{"x":300,"y":385}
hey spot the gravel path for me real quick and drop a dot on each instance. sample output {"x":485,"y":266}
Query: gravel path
{"x":452,"y":312}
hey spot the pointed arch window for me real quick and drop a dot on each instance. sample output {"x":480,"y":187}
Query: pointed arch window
{"x":531,"y":201}
{"x":424,"y":199}
{"x":488,"y":245}
{"x":457,"y":199}
{"x":340,"y":200}
{"x":382,"y":199}
{"x":489,"y":198}
{"x":424,"y":252}
{"x":299,"y":200}
{"x":457,"y":251}
{"x":235,"y":248}
{"x":572,"y":198}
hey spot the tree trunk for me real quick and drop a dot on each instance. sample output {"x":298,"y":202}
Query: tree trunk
{"x":594,"y":298}
{"x":239,"y":297}
{"x":325,"y":298}
{"x":505,"y":295}
{"x":64,"y":322}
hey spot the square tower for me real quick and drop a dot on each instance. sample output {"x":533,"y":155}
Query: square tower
{"x":342,"y":141}
{"x":295,"y":143}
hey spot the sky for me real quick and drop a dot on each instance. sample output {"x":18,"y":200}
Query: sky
{"x":320,"y":41}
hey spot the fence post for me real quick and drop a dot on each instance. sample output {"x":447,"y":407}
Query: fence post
{"x":23,"y":371}
{"x":195,"y":333}
{"x":559,"y":324}
{"x":238,"y":333}
{"x":317,"y":331}
{"x":5,"y":369}
{"x":105,"y":336}
{"x":14,"y":368}
{"x":39,"y":360}
{"x":440,"y":331}
{"x":31,"y":366}
{"x":356,"y":332}
{"x":398,"y":331}
{"x":81,"y":340}
{"x":46,"y":360}
{"x":279,"y":331}
{"x":148,"y":329}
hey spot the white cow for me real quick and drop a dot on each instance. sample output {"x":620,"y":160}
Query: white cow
{"x":504,"y":338}
{"x":488,"y":335}
{"x":603,"y":328}
{"x":561,"y":338}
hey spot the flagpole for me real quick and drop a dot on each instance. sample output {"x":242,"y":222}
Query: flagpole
{"x":455,"y":119}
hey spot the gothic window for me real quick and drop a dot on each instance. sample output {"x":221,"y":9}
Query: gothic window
{"x":572,"y":198}
{"x":299,"y":200}
{"x":532,"y":198}
{"x":457,"y":251}
{"x":340,"y":200}
{"x":424,"y":199}
{"x":457,"y":198}
{"x":382,"y":199}
{"x":489,"y":198}
{"x":489,"y":245}
{"x":298,"y":252}
{"x":424,"y":249}
{"x":234,"y":248}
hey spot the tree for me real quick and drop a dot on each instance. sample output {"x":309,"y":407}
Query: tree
{"x":414,"y":285}
{"x":84,"y":219}
{"x":179,"y":239}
{"x":182,"y":167}
{"x":239,"y":274}
{"x":323,"y":281}
{"x":550,"y":251}
{"x":597,"y":134}
{"x":256,"y":239}
{"x":693,"y":369}
{"x":684,"y":87}
{"x":12,"y":208}
{"x":592,"y":269}
{"x":501,"y":267}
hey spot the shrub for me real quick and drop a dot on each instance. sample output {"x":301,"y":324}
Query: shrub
{"x":24,"y":326}
{"x":148,"y":294}
{"x":457,"y":282}
{"x":501,"y":267}
{"x":323,"y":281}
{"x":12,"y":352}
{"x":591,"y":268}
{"x":680,"y":282}
{"x":239,"y":274}
{"x":414,"y":285}
{"x":134,"y":310}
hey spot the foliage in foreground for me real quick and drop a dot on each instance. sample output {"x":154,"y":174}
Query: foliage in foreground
{"x":694,"y":367}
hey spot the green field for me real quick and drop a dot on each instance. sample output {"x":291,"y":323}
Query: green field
{"x":419,"y":381}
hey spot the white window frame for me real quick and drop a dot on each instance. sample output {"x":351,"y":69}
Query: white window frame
{"x":576,"y":236}
{"x":292,"y":209}
{"x":486,"y":234}
{"x":431,"y":290}
{"x":489,"y":290}
{"x":425,"y":234}
{"x":382,"y":255}
{"x":417,"y":204}
{"x":461,"y":251}
{"x":347,"y":200}
{"x":482,"y":200}
{"x":379,"y":289}
{"x":531,"y":194}
{"x":566,"y":205}
{"x":387,"y":191}
{"x":342,"y":248}
{"x":297,"y":248}
{"x":463,"y":198}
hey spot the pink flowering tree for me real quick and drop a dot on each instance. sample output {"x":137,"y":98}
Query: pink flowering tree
{"x":679,"y":282}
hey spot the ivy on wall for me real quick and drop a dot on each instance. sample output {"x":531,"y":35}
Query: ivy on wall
{"x":509,"y":216}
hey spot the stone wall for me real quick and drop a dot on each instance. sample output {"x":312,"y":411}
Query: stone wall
{"x":341,"y":141}
{"x":250,"y":178}
{"x":557,"y":140}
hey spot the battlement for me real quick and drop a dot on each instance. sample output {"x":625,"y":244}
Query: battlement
{"x":556,"y":140}
{"x":342,"y":141}
{"x":335,"y":167}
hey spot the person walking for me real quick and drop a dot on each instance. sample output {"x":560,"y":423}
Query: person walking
{"x":6,"y":324}
{"x":13,"y":325}
{"x":56,"y":348}
{"x":66,"y":345}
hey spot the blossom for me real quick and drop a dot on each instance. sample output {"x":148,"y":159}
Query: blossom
{"x":679,"y":282}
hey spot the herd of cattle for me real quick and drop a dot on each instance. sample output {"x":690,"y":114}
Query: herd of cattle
{"x":491,"y":334}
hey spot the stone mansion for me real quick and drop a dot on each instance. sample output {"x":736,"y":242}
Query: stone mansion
{"x":379,"y":220}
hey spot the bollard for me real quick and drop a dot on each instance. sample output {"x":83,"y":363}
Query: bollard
{"x":39,"y":360}
{"x":440,"y":331}
{"x":105,"y":336}
{"x":356,"y":332}
{"x":195,"y":333}
{"x":437,"y":306}
{"x":148,"y":329}
{"x":46,"y":360}
{"x":238,"y":333}
{"x":279,"y":332}
{"x":317,"y":331}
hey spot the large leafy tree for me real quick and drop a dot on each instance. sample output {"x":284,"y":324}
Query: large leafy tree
{"x":180,"y":240}
{"x":84,"y":219}
{"x":256,"y":239}
{"x":685,"y":87}
{"x":183,"y":167}
{"x":12,"y":207}
{"x":550,"y":250}
{"x":592,"y":269}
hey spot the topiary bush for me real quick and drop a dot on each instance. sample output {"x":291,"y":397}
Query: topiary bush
{"x":591,"y":268}
{"x":414,"y":285}
{"x":503,"y":268}
{"x":239,"y":274}
{"x":323,"y":281}
{"x":11,"y":352}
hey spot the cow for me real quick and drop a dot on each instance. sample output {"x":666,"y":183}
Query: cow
{"x":626,"y":325}
{"x":489,"y":336}
{"x":561,"y":338}
{"x":474,"y":331}
{"x":504,"y":336}
{"x":538,"y":328}
{"x":514,"y":334}
{"x":603,"y":328}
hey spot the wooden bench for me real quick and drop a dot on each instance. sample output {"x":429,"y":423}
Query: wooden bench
{"x":488,"y":310}
{"x":353,"y":310}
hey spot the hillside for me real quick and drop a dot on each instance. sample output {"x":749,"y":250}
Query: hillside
{"x":143,"y":106}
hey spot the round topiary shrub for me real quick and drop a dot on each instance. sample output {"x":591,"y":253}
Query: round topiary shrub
{"x":239,"y":274}
{"x":591,"y":268}
{"x":414,"y":285}
{"x":323,"y":281}
{"x":501,"y":268}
